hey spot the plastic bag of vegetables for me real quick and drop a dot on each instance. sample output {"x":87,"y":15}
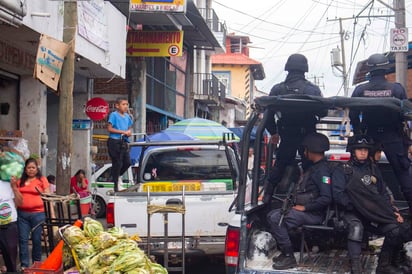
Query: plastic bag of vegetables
{"x":92,"y":227}
{"x":103,"y":240}
{"x":109,"y":252}
{"x":74,"y":235}
{"x":11,"y":169}
{"x":7,"y":157}
{"x":84,"y":249}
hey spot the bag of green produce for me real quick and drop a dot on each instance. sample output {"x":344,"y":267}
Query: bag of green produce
{"x":118,"y":232}
{"x":74,"y":235}
{"x":11,"y":169}
{"x":84,"y":249}
{"x":92,"y":227}
{"x":7,"y":157}
{"x":129,"y":261}
{"x":103,"y":240}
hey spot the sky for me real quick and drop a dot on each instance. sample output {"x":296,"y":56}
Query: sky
{"x":278,"y":28}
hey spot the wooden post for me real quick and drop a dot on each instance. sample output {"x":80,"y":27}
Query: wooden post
{"x":65,"y":136}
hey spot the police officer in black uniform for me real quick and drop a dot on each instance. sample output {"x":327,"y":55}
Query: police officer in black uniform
{"x":362,"y":196}
{"x":312,"y":196}
{"x":291,"y":127}
{"x":385,"y":127}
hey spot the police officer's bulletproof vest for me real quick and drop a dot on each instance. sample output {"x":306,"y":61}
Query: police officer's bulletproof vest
{"x":292,"y":119}
{"x":363,"y":192}
{"x":306,"y":192}
{"x":379,"y":117}
{"x":297,"y":87}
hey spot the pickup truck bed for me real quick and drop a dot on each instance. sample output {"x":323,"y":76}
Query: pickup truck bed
{"x":199,"y":224}
{"x":332,"y":261}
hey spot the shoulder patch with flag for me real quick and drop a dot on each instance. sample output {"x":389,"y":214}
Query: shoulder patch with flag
{"x":326,"y":180}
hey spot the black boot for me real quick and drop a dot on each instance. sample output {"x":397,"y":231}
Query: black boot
{"x":355,"y":266}
{"x":285,"y":260}
{"x":385,"y":266}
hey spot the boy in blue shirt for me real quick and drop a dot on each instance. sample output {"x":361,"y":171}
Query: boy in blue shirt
{"x":119,"y":127}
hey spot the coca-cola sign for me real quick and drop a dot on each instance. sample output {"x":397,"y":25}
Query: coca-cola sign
{"x":97,"y":108}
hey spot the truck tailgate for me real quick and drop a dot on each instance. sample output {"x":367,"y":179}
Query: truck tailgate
{"x":206,"y":213}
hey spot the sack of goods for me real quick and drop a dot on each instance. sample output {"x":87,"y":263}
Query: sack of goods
{"x":113,"y":251}
{"x":11,"y":164}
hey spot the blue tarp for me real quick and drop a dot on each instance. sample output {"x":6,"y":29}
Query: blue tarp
{"x":239,"y":132}
{"x":135,"y":151}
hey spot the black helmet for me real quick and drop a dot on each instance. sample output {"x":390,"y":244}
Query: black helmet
{"x":360,"y":141}
{"x":316,"y":142}
{"x":377,"y":62}
{"x":297,"y":62}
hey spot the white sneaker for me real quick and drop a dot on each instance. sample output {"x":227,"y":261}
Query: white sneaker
{"x":120,"y":184}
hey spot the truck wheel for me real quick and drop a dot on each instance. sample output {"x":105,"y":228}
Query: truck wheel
{"x":99,"y":207}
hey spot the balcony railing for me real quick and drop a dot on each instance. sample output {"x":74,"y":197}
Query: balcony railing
{"x":213,"y":22}
{"x":208,"y":86}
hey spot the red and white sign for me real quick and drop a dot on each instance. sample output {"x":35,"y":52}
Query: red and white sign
{"x":399,"y":40}
{"x":97,"y":109}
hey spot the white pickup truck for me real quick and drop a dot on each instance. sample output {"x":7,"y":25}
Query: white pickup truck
{"x":208,"y":173}
{"x":101,"y":183}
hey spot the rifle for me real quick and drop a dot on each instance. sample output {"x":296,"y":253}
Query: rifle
{"x":288,"y":202}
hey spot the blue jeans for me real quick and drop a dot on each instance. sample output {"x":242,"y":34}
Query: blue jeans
{"x":26,"y":221}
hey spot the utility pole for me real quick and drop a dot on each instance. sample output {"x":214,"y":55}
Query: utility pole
{"x":344,"y":72}
{"x":336,"y":63}
{"x":401,"y":58}
{"x":65,"y":134}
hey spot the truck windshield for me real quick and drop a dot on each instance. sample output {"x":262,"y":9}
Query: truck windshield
{"x":187,"y":165}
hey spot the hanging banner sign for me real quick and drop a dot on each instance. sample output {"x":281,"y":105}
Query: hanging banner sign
{"x":49,"y":61}
{"x":154,"y":43}
{"x":158,"y":5}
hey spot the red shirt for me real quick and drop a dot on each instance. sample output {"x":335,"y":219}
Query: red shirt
{"x":32,"y":201}
{"x":78,"y":186}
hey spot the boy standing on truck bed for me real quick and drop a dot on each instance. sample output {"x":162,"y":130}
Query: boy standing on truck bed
{"x":119,"y":127}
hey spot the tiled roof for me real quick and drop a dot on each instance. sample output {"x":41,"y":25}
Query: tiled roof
{"x":233,"y":59}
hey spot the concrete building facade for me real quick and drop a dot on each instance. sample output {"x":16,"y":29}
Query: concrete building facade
{"x":238,"y":72}
{"x":32,"y":106}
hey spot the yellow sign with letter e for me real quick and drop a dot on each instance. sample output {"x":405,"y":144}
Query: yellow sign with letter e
{"x":154,"y":43}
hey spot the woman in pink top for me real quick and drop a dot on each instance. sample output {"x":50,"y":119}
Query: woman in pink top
{"x":79,"y":183}
{"x":31,"y":212}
